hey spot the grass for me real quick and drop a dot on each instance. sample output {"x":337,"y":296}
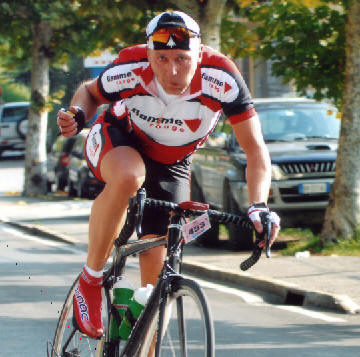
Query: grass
{"x":305,"y":240}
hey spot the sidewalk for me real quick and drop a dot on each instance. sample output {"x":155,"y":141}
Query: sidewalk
{"x":328,"y":282}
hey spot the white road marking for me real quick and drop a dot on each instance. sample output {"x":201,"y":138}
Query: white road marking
{"x":247,"y":297}
{"x":43,"y":241}
{"x":309,"y":313}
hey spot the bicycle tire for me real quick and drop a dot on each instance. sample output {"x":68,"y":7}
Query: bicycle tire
{"x":80,"y":345}
{"x":188,"y":327}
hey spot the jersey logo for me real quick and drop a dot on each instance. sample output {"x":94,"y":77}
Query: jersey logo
{"x":193,"y":124}
{"x":93,"y":145}
{"x":227,"y":87}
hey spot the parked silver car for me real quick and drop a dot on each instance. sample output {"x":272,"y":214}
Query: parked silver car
{"x":302,"y":138}
{"x":13,"y":126}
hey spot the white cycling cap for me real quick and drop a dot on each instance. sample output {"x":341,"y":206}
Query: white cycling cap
{"x":174,"y":19}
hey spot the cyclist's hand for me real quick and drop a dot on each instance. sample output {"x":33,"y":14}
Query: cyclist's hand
{"x":254,"y":214}
{"x":71,"y":121}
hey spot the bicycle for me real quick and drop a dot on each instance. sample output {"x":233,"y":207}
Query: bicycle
{"x":176,"y":319}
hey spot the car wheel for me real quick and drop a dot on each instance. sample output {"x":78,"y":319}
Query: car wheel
{"x":72,"y":190}
{"x":21,"y":128}
{"x":316,"y":229}
{"x":60,"y":183}
{"x":240,"y":238}
{"x":82,"y":191}
{"x":49,"y":186}
{"x":211,"y":237}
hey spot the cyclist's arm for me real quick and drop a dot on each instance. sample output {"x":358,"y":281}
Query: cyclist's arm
{"x":258,"y":173}
{"x":88,"y":99}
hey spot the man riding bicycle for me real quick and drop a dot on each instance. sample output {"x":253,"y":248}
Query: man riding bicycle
{"x":167,"y":96}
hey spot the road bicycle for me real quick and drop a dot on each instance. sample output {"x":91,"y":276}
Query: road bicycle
{"x":176,"y":321}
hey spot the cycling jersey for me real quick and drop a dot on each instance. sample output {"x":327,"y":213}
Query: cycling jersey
{"x":170,"y":132}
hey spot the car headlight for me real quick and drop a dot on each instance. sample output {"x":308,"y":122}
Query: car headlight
{"x":276,"y":173}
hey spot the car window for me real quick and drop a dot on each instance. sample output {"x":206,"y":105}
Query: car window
{"x":299,"y":122}
{"x":14,"y":113}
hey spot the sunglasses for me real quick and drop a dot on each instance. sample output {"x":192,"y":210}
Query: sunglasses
{"x":179,"y":33}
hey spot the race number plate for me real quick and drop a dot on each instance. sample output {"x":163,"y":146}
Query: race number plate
{"x":195,"y":228}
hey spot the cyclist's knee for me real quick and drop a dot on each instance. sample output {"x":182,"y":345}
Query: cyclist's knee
{"x":123,"y":169}
{"x":128,"y":181}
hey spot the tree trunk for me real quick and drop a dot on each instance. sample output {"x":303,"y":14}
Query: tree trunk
{"x":35,"y":155}
{"x":342,"y":218}
{"x":208,"y":14}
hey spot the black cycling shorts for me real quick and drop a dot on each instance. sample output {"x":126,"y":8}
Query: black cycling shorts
{"x":162,"y":181}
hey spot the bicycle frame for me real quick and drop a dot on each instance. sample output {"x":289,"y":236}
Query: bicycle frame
{"x":170,"y":277}
{"x":168,"y":274}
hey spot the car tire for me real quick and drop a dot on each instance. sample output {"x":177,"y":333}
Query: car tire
{"x":49,"y":185}
{"x":60,"y":185}
{"x":82,"y":191}
{"x":60,"y":181}
{"x":240,"y":238}
{"x":211,"y":237}
{"x":72,"y":191}
{"x":21,"y":128}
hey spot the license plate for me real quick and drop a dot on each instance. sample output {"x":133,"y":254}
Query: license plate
{"x":308,"y":188}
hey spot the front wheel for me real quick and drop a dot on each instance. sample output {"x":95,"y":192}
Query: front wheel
{"x":187,"y":327}
{"x":69,"y":341}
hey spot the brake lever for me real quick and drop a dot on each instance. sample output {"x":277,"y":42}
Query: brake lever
{"x":266,"y":223}
{"x":140,"y":205}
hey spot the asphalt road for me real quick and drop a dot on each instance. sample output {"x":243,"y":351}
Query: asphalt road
{"x":35,"y":275}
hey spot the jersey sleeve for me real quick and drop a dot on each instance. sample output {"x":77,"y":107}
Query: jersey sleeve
{"x":120,"y":76}
{"x":221,"y":74}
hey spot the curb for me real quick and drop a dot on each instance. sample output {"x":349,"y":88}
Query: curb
{"x":38,"y":231}
{"x":289,"y":294}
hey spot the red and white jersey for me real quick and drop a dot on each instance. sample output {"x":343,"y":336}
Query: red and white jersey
{"x":172,"y":131}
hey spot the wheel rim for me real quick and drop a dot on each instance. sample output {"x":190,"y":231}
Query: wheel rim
{"x":187,"y":329}
{"x":78,"y":344}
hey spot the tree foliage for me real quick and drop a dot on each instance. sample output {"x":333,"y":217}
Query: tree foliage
{"x":305,"y":42}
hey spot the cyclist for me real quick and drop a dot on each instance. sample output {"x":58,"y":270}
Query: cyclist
{"x":167,"y":96}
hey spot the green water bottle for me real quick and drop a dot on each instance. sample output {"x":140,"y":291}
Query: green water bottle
{"x":123,"y":290}
{"x":136,"y":305}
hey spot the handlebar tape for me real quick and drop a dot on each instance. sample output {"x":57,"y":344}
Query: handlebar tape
{"x":252,"y":260}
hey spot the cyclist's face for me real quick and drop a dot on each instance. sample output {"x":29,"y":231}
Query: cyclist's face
{"x":174,"y":69}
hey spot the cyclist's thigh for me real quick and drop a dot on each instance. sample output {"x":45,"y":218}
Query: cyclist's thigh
{"x":168,"y":183}
{"x":111,"y":153}
{"x":123,"y":165}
